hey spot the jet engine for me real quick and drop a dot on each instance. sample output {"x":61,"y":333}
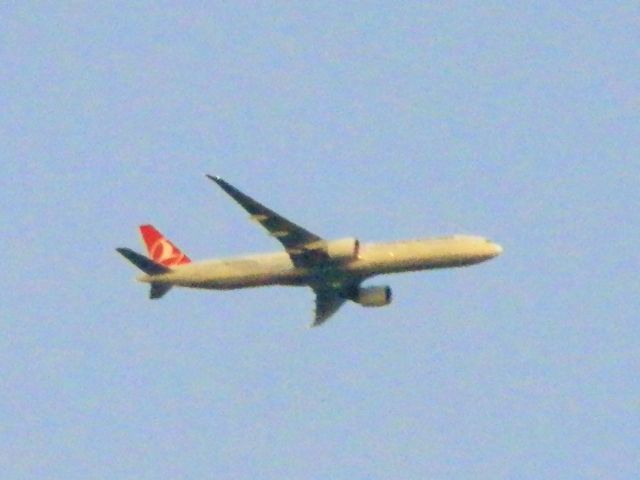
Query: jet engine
{"x":343,"y":250}
{"x":373,"y":296}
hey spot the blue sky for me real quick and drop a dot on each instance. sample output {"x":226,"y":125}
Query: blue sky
{"x":515,"y":121}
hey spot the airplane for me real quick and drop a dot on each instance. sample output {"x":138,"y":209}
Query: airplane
{"x":334,"y":269}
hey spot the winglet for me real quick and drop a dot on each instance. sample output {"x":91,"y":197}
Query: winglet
{"x":219,"y":180}
{"x":236,"y":194}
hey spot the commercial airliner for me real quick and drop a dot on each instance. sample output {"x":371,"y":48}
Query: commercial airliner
{"x":333,"y":269}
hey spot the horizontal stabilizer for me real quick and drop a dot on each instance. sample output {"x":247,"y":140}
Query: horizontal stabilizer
{"x":159,"y":289}
{"x":145,"y":264}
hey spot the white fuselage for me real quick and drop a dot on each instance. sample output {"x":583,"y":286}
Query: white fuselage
{"x":372,"y":259}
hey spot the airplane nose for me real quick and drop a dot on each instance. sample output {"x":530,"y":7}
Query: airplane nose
{"x":497,"y":249}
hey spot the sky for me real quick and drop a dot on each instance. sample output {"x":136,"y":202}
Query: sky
{"x":518,"y":121}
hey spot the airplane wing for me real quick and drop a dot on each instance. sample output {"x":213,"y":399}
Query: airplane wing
{"x":304,"y":247}
{"x":330,"y":295}
{"x":328,"y":301}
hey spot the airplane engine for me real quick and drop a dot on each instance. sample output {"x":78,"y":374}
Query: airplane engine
{"x":343,"y":250}
{"x":373,"y":296}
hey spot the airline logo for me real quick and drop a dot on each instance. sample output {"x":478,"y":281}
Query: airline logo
{"x":160,"y":249}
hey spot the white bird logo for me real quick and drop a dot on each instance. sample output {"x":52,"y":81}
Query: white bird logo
{"x":165,"y":252}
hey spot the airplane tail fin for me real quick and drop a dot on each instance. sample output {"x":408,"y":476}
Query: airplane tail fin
{"x":163,"y":256}
{"x":161,"y":250}
{"x":148,"y":266}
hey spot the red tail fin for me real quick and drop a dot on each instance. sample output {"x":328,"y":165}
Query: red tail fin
{"x":160,"y":249}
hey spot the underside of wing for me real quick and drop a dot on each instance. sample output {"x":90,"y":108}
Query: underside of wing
{"x":304,"y":247}
{"x":331,"y":295}
{"x":328,"y":301}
